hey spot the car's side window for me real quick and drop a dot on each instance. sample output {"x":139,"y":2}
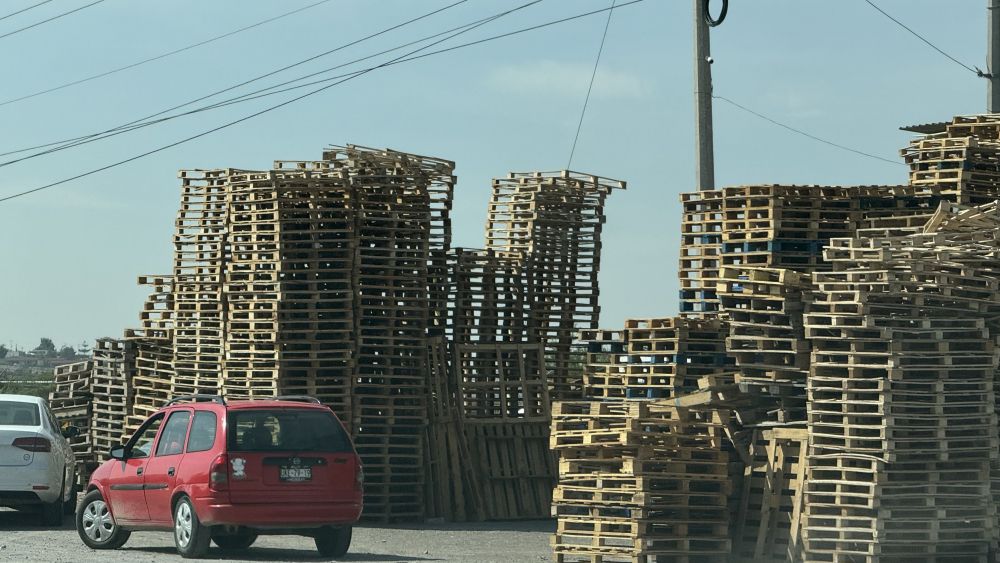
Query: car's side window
{"x":172,"y":438}
{"x":142,"y":443}
{"x":203,"y":429}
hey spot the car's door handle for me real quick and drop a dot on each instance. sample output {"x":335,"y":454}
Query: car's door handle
{"x":138,"y":471}
{"x":171,"y":471}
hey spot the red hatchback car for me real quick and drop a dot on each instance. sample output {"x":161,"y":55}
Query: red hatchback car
{"x":212,"y":470}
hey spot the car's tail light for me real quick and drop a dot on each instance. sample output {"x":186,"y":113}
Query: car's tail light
{"x":33,"y":444}
{"x":359,"y":476}
{"x":218,"y":473}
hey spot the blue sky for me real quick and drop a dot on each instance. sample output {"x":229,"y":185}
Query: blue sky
{"x":69,"y":256}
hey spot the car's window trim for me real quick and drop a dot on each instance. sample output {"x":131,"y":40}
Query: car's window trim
{"x":163,"y":427}
{"x":140,"y":431}
{"x":190,"y":433}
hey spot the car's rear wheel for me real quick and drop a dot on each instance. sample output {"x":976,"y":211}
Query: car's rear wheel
{"x":334,"y":542}
{"x":190,"y":536}
{"x":96,"y":525}
{"x":235,"y":542}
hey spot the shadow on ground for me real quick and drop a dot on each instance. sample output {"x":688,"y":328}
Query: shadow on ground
{"x":276,"y":554}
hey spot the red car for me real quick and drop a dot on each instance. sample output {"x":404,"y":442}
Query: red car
{"x":212,"y":470}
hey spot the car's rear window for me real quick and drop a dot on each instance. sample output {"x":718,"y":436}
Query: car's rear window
{"x":285,"y":430}
{"x":15,"y":413}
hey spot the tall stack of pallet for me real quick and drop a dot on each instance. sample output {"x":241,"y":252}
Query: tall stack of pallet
{"x":962,"y":162}
{"x":700,"y":252}
{"x":392,"y":226}
{"x":640,"y":481}
{"x":767,"y":340}
{"x":902,"y":412}
{"x":111,"y":388}
{"x":200,"y":251}
{"x":654,"y":358}
{"x":554,"y":220}
{"x":71,"y":402}
{"x":154,"y":358}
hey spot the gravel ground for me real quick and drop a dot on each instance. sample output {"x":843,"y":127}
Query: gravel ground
{"x":22,"y":539}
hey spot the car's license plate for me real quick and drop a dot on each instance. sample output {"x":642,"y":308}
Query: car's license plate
{"x":295,"y":473}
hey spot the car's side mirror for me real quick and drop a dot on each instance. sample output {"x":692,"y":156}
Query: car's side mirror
{"x":70,"y":432}
{"x":118,"y":452}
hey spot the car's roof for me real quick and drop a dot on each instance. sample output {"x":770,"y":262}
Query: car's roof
{"x":22,"y":398}
{"x":255,"y":404}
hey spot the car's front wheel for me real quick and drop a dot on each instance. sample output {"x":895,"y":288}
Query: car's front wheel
{"x":333,"y":542}
{"x":96,"y":525}
{"x":190,"y":536}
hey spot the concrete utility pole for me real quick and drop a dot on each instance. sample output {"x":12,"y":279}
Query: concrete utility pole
{"x":704,"y":146}
{"x":993,"y":57}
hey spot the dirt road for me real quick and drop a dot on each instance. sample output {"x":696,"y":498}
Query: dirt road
{"x":21,"y":539}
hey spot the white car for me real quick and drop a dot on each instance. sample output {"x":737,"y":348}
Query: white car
{"x":37,"y":466}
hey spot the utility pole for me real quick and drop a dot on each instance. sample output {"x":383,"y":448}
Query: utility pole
{"x":993,"y":57}
{"x":704,"y":146}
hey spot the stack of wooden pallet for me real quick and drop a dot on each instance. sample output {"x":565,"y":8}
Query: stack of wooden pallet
{"x":554,"y":220}
{"x":498,"y":380}
{"x":764,"y":307}
{"x":640,"y":481}
{"x":701,"y":249}
{"x":654,"y":358}
{"x":154,"y":358}
{"x":200,"y":251}
{"x":785,"y":227}
{"x":111,"y":389}
{"x":71,"y":402}
{"x":770,"y":514}
{"x":392,"y":226}
{"x":902,"y":420}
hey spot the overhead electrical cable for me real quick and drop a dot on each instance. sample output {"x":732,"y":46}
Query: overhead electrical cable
{"x":255,"y":114}
{"x":973,"y":70}
{"x":803,"y":133}
{"x":161,"y":56}
{"x":255,"y":95}
{"x":55,"y":17}
{"x":590,"y":87}
{"x":22,"y":10}
{"x":244,"y":83}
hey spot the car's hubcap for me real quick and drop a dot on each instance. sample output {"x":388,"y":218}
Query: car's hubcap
{"x":182,"y":524}
{"x":97,"y":522}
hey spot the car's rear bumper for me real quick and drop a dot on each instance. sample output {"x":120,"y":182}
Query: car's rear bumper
{"x":278,"y":516}
{"x":19,"y":498}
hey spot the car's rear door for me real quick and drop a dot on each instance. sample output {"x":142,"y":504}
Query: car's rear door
{"x":279,"y":455}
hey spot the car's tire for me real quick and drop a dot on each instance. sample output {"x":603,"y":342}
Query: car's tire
{"x":69,"y":506}
{"x":190,"y":536}
{"x":333,"y":542}
{"x":52,"y":513}
{"x":96,"y":525}
{"x":235,"y":542}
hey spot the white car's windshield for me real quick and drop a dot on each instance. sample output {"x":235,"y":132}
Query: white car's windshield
{"x":15,"y":413}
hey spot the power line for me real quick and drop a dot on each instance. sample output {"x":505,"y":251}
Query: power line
{"x":161,"y":56}
{"x":975,"y":71}
{"x":235,"y":86}
{"x":55,"y":17}
{"x":258,"y":113}
{"x":803,"y":133}
{"x":593,"y":75}
{"x":22,"y":10}
{"x":264,"y":91}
